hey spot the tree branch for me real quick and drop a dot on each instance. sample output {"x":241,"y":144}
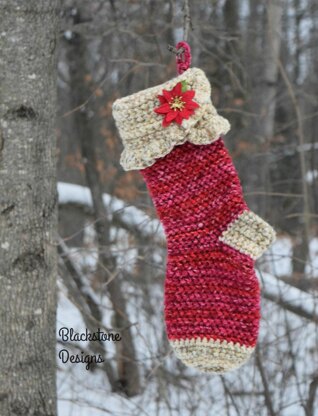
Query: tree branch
{"x":186,"y":20}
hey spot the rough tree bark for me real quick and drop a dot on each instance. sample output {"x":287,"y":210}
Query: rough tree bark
{"x":28,"y":200}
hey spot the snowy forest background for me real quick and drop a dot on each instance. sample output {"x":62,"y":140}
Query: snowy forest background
{"x":261,"y":58}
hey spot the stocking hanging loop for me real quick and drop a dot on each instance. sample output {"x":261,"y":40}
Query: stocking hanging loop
{"x":183,"y":58}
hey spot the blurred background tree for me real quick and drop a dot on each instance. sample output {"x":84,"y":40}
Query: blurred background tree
{"x":261,"y":59}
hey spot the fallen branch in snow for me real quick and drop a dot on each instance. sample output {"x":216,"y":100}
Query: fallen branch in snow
{"x":135,"y":220}
{"x":127,"y":217}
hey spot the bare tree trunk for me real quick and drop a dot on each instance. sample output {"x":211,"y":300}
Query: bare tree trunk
{"x":264,"y":99}
{"x":265,"y":73}
{"x":272,"y":51}
{"x":128,"y":379}
{"x":27,"y":207}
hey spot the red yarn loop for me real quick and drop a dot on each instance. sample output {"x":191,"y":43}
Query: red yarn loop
{"x":183,"y":59}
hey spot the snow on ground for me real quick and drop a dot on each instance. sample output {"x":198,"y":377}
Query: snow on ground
{"x":289,"y":352}
{"x":76,"y":194}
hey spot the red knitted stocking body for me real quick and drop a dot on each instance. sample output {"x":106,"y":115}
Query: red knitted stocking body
{"x":212,"y":295}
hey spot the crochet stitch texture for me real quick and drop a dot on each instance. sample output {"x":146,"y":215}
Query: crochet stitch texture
{"x":141,"y":129}
{"x":212,"y":295}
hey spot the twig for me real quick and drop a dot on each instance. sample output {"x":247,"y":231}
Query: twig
{"x":301,"y":137}
{"x":84,"y":103}
{"x":85,"y":304}
{"x":282,"y":194}
{"x":300,"y":214}
{"x":297,"y":310}
{"x":186,"y":20}
{"x":229,"y":393}
{"x":311,"y":396}
{"x":175,"y":50}
{"x":187,"y":24}
{"x":268,"y":400}
{"x":136,"y":62}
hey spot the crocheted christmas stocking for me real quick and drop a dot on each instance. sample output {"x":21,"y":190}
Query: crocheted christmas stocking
{"x":172,"y":134}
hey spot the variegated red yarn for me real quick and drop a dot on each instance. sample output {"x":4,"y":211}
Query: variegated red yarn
{"x":183,"y":60}
{"x":211,"y":290}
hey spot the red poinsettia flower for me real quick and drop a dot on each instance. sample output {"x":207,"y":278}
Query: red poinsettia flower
{"x":176,"y":104}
